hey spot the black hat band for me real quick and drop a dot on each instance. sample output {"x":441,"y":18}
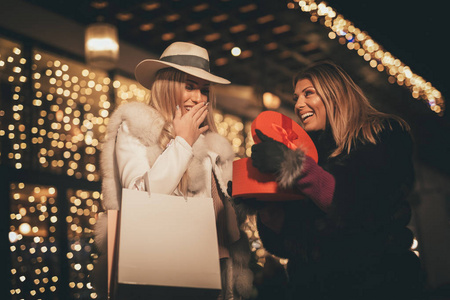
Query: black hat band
{"x":188,"y":60}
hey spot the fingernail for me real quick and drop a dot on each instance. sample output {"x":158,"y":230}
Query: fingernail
{"x":178,"y":107}
{"x":206,"y":103}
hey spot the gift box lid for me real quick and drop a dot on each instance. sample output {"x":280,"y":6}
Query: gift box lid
{"x":248,"y":182}
{"x":285,"y":130}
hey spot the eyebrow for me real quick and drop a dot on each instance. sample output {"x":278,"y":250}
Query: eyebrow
{"x":310,"y":86}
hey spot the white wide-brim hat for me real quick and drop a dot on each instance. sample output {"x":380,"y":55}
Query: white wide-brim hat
{"x":186,"y":57}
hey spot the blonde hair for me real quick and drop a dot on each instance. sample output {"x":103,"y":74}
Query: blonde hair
{"x":349,"y":113}
{"x":166,"y":94}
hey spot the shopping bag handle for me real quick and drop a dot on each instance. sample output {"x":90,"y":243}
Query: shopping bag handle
{"x":147,"y":185}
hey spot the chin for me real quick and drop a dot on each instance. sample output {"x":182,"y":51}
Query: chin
{"x":308,"y":128}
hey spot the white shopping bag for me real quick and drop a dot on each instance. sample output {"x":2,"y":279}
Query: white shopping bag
{"x":168,"y":241}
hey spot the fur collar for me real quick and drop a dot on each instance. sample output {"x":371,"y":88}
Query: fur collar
{"x":146,"y":124}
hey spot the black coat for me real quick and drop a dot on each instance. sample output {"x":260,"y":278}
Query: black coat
{"x":360,"y":248}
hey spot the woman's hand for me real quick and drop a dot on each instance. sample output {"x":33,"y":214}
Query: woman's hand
{"x":187,"y":126}
{"x":268,"y":155}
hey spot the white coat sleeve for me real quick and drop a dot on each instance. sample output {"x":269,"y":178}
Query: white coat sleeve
{"x":165,"y":174}
{"x":170,"y":166}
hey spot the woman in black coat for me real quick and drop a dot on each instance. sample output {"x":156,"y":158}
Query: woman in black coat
{"x":348,"y":237}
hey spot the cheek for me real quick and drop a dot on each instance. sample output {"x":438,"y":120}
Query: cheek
{"x":323,"y":117}
{"x":323,"y":121}
{"x":320,"y":110}
{"x":185,"y":96}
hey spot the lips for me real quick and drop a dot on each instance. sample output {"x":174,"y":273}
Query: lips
{"x":306,"y":115}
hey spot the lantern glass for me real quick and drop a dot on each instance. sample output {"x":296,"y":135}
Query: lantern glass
{"x":101,"y":45}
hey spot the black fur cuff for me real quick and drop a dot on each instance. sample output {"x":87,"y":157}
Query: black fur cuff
{"x":291,"y":168}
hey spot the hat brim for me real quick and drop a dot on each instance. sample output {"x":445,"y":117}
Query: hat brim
{"x":145,"y":72}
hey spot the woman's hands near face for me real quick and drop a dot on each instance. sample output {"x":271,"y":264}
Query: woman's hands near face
{"x":187,"y":126}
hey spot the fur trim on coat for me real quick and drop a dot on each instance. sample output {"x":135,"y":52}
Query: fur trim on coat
{"x":291,"y":168}
{"x":146,"y":124}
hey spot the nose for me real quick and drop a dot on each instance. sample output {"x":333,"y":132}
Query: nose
{"x":300,"y":103}
{"x":196,"y":96}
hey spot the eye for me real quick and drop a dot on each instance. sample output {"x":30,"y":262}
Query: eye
{"x":205,"y":92}
{"x":295,"y":97}
{"x":189,"y":87}
{"x":309,"y":93}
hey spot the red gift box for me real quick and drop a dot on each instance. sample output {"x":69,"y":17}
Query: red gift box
{"x":248,"y":182}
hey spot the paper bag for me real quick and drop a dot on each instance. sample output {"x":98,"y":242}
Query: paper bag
{"x":112,"y":238}
{"x":167,"y":241}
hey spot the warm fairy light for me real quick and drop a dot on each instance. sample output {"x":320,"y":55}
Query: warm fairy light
{"x":13,"y":237}
{"x":231,"y":127}
{"x":236,"y":51}
{"x":271,"y":101}
{"x":34,"y":231}
{"x":71,"y":107}
{"x":374,"y":54}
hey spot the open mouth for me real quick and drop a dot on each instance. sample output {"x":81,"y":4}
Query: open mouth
{"x":305,"y":116}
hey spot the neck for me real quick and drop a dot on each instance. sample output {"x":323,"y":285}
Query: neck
{"x":324,"y":142}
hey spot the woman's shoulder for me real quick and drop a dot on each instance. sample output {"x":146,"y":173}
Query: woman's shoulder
{"x":135,"y":110}
{"x":220,"y":145}
{"x":394,"y":130}
{"x":388,"y":133}
{"x":142,"y":120}
{"x":392,"y":137}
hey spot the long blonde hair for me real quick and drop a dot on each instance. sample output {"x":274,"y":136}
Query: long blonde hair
{"x":349,"y":113}
{"x":166,"y":94}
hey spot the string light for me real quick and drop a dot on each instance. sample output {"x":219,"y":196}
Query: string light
{"x":31,"y":235}
{"x":378,"y":58}
{"x":231,"y":127}
{"x":83,"y":207}
{"x":71,"y":107}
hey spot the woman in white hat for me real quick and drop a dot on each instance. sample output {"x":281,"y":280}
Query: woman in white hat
{"x":171,"y":146}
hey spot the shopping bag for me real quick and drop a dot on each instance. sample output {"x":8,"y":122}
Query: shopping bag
{"x":167,"y":247}
{"x":112,"y":246}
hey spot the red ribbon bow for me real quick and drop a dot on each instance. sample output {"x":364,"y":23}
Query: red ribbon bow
{"x":287,"y":136}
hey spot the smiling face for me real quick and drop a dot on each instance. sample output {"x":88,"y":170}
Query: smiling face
{"x":309,"y":106}
{"x":196,"y":90}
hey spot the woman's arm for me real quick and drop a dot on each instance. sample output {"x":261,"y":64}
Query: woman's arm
{"x":311,"y":180}
{"x":357,"y":184}
{"x":134,"y":169}
{"x":363,"y":186}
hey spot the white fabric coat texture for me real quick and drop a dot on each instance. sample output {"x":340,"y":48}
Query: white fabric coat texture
{"x":132,"y":158}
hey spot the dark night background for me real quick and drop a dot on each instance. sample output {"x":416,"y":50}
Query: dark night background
{"x":415,"y":32}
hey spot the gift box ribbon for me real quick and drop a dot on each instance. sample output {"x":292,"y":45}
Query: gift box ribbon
{"x":287,"y":136}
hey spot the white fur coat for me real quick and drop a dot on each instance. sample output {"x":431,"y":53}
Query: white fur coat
{"x":146,"y":124}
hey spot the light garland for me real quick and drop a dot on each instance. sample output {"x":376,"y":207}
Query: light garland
{"x":84,"y":206}
{"x":12,"y":64}
{"x":231,"y":127}
{"x":372,"y":52}
{"x":73,"y":106}
{"x":33,"y":240}
{"x":70,"y":110}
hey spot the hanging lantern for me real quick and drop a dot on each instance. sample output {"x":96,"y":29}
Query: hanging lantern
{"x":101,"y":45}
